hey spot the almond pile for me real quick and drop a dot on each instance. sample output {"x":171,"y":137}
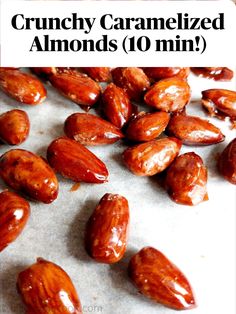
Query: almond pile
{"x":154,"y":139}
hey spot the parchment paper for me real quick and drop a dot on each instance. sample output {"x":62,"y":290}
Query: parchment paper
{"x":200,"y":240}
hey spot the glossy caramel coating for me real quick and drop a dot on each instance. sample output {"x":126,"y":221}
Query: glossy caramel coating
{"x":46,"y":288}
{"x":77,"y":87}
{"x":194,"y":130}
{"x":23,"y":87}
{"x":159,"y":73}
{"x":89,"y":129}
{"x":150,"y":158}
{"x":227,"y":162}
{"x":45,"y":71}
{"x":147,"y":126}
{"x":217,"y":101}
{"x":116,"y":105}
{"x":30,"y":174}
{"x":186,"y":180}
{"x":99,"y":74}
{"x":217,"y":73}
{"x":14,"y":214}
{"x":158,"y":278}
{"x":107,"y":229}
{"x":169,"y":95}
{"x":14,"y":127}
{"x":74,"y":161}
{"x":133,"y":80}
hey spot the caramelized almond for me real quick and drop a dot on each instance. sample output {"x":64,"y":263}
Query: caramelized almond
{"x":107,"y":229}
{"x":74,"y":161}
{"x":133,"y":80}
{"x":186,"y":180}
{"x":14,"y":127}
{"x":166,"y":72}
{"x":227,"y":162}
{"x":46,"y":288}
{"x":147,"y":126}
{"x":88,"y":129}
{"x":194,"y":130}
{"x":30,"y":174}
{"x":47,"y":71}
{"x":217,"y":73}
{"x":170,"y":95}
{"x":44,"y":70}
{"x":159,"y":279}
{"x":21,"y":86}
{"x":101,"y":74}
{"x":150,"y":158}
{"x":14,"y":214}
{"x":220,"y":101}
{"x":116,"y":105}
{"x":77,"y":87}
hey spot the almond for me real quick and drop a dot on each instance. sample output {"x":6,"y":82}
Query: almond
{"x":148,"y":159}
{"x":133,"y":80}
{"x":107,"y":229}
{"x":170,"y":95}
{"x":116,"y":105}
{"x":14,"y":214}
{"x":21,"y":86}
{"x":88,"y":129}
{"x":14,"y":127}
{"x":217,"y":73}
{"x":44,"y":70}
{"x":30,"y":174}
{"x":47,"y":71}
{"x":227,"y":162}
{"x":158,"y":278}
{"x":219,"y":102}
{"x":194,"y":130}
{"x":77,"y":87}
{"x":74,"y":161}
{"x":46,"y":288}
{"x":147,"y":126}
{"x":186,"y":180}
{"x":166,"y":72}
{"x":98,"y":74}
